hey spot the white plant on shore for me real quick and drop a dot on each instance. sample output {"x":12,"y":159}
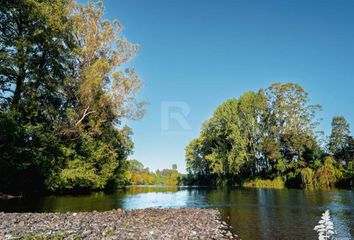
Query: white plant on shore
{"x":325,"y":227}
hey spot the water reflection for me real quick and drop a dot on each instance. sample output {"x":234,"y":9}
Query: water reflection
{"x":284,"y":214}
{"x":253,"y":213}
{"x":183,"y":198}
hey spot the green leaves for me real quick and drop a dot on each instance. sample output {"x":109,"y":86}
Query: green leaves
{"x":271,"y":135}
{"x":339,"y":137}
{"x":64,"y":94}
{"x":263,"y":134}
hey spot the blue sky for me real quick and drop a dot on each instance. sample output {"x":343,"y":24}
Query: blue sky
{"x":197,"y":53}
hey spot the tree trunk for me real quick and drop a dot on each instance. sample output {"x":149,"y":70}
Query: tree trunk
{"x":21,"y":65}
{"x":19,"y":85}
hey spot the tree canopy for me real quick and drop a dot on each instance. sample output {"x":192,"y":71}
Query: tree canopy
{"x":269,"y":134}
{"x":63,"y":96}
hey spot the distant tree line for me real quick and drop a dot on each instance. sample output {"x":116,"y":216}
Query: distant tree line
{"x":137,"y":174}
{"x":63,"y":95}
{"x":270,"y":138}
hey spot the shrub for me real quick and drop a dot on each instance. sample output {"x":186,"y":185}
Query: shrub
{"x":265,"y":183}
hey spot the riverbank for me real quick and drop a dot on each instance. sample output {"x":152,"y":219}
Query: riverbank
{"x":183,"y":223}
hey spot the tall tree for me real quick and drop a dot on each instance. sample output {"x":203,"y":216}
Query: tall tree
{"x":35,"y":47}
{"x":339,"y":137}
{"x":253,"y":110}
{"x":269,"y":133}
{"x":174,"y":167}
{"x":229,"y":144}
{"x":99,"y":95}
{"x":292,"y":121}
{"x":35,"y":42}
{"x":63,"y":96}
{"x":348,"y":151}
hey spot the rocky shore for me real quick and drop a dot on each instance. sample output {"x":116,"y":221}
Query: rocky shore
{"x":116,"y":224}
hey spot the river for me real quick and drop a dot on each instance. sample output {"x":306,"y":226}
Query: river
{"x":252,"y":213}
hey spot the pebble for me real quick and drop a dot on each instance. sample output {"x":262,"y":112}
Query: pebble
{"x":150,"y":224}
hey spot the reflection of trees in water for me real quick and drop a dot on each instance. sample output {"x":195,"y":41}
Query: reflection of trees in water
{"x":278,"y":214}
{"x":146,"y":189}
{"x":237,"y":210}
{"x":253,"y":213}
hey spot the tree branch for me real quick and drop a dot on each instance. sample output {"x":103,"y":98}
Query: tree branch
{"x":86,"y":113}
{"x":7,"y":90}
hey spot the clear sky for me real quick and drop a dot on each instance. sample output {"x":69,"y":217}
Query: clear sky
{"x":195,"y":54}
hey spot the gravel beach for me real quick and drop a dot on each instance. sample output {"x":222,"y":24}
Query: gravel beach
{"x":116,"y":224}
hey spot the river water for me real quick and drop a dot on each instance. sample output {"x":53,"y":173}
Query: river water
{"x":252,"y":213}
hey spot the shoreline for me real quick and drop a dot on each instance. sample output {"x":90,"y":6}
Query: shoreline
{"x":149,"y":223}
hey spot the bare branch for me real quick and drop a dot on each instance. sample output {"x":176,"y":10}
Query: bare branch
{"x":86,"y":113}
{"x":7,"y":90}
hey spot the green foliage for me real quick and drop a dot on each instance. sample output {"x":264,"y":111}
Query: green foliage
{"x":339,"y":136}
{"x":138,"y":175}
{"x":326,"y":174}
{"x":63,"y":95}
{"x":35,"y":58}
{"x":348,"y":176}
{"x":265,"y":183}
{"x":308,"y":178}
{"x":268,"y":138}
